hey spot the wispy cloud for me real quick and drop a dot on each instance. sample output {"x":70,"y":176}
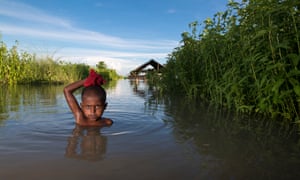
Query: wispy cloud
{"x":29,"y":13}
{"x":87,"y":37}
{"x":117,"y":52}
{"x":62,"y":30}
{"x":122,"y":66}
{"x":108,"y":53}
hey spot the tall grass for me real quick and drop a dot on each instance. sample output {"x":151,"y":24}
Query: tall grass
{"x":22,"y":68}
{"x":245,"y":59}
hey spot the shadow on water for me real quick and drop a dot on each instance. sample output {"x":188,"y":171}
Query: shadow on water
{"x":86,"y":143}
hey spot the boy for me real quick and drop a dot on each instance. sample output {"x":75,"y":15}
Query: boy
{"x":93,"y":101}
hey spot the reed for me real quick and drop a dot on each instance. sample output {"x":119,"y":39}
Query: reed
{"x":25,"y":68}
{"x":245,"y":59}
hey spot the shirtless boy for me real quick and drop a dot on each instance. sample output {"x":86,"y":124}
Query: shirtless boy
{"x":93,"y":101}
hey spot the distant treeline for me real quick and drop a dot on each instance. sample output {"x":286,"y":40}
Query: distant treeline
{"x":245,"y":59}
{"x":107,"y":73}
{"x":23,"y":68}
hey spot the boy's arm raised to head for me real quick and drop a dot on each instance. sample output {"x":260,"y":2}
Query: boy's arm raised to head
{"x":70,"y":98}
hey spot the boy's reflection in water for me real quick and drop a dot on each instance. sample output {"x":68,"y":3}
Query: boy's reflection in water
{"x":92,"y":145}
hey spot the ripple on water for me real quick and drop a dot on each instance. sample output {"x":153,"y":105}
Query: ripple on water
{"x":132,"y":123}
{"x":37,"y":132}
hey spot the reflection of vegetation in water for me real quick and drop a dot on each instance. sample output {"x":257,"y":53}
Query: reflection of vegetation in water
{"x":144,"y":88}
{"x":110,"y":84}
{"x":150,"y":93}
{"x":243,"y":146}
{"x":138,"y":87}
{"x":14,"y":98}
{"x":239,"y":147}
{"x":89,"y":141}
{"x":19,"y":98}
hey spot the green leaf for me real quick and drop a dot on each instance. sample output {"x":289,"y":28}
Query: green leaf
{"x":260,"y":33}
{"x":297,"y":90}
{"x":293,"y":72}
{"x":277,"y":85}
{"x":295,"y":58}
{"x":294,"y":82}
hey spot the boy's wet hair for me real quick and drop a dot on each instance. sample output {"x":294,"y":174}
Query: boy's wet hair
{"x":94,"y":90}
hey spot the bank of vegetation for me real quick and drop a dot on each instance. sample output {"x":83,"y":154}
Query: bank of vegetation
{"x":19,"y":67}
{"x":245,"y":59}
{"x":107,"y":73}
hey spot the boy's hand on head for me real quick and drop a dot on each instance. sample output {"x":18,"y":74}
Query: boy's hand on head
{"x":94,"y":79}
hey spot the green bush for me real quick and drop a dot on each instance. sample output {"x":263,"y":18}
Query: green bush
{"x":246,"y":59}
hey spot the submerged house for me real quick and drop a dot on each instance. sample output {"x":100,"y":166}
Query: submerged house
{"x":141,"y":71}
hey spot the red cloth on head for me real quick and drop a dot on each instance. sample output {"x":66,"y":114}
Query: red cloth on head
{"x":94,"y":79}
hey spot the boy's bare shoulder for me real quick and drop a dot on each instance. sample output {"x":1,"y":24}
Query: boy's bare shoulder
{"x":100,"y":123}
{"x":107,"y":121}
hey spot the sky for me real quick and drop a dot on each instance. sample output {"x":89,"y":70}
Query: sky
{"x":122,"y":33}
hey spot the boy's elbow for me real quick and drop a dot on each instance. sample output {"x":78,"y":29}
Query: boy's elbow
{"x":66,"y":90}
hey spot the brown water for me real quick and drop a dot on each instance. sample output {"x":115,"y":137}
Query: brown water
{"x":151,"y":138}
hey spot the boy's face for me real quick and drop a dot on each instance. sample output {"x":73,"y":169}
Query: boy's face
{"x":92,"y":107}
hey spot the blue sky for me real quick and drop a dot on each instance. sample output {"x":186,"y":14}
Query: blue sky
{"x":122,"y":33}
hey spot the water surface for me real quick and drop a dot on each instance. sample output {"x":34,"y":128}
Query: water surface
{"x":151,"y":138}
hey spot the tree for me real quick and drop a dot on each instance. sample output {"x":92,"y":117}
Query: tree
{"x":101,"y":65}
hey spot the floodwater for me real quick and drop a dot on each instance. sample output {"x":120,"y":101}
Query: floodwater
{"x":152,"y":138}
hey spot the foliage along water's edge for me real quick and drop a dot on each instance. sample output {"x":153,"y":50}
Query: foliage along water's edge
{"x":245,"y":59}
{"x":20,"y":67}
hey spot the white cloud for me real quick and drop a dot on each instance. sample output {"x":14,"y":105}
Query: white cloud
{"x":31,"y":14}
{"x":25,"y":12}
{"x":122,"y":62}
{"x":87,"y":37}
{"x":122,"y":66}
{"x":108,"y":53}
{"x":78,"y":44}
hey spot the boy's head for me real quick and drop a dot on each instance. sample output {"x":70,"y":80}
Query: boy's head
{"x":95,"y":91}
{"x":93,"y":102}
